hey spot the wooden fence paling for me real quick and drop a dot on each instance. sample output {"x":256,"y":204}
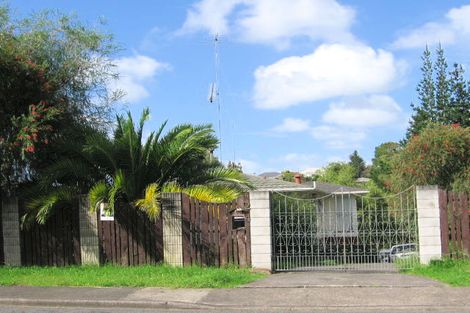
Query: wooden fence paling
{"x":444,"y":222}
{"x":56,"y":243}
{"x":2,"y":255}
{"x":131,"y":239}
{"x":465,"y":223}
{"x":455,"y":224}
{"x":208,"y":237}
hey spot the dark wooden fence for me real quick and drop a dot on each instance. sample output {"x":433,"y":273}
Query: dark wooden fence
{"x":213,"y":234}
{"x":216,"y":234}
{"x":455,"y":223}
{"x":2,"y":255}
{"x":56,"y":243}
{"x":131,"y":239}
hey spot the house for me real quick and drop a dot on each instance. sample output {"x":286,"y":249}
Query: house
{"x":335,"y":205}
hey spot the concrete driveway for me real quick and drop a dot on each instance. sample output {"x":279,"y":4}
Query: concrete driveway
{"x":341,"y":279}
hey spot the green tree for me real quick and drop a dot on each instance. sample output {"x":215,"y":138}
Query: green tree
{"x":381,"y":169}
{"x":442,"y":88}
{"x":288,"y":176}
{"x":424,"y":110}
{"x":439,"y":155}
{"x":338,"y":173}
{"x":444,"y":97}
{"x":357,"y":163}
{"x":125,"y":170}
{"x":459,"y":111}
{"x":53,"y":77}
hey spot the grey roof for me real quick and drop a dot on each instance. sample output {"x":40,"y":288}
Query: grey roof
{"x":270,"y":174}
{"x":272,"y":184}
{"x":328,"y":188}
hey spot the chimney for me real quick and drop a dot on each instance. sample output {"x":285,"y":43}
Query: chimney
{"x":298,"y":178}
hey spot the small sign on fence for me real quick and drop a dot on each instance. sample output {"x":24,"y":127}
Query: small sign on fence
{"x":105,"y":214}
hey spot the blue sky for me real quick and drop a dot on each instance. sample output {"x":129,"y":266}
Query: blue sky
{"x":302,"y":82}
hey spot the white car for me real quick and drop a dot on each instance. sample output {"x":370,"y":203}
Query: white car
{"x":396,"y":252}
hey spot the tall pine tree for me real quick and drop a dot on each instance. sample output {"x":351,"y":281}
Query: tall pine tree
{"x":440,"y":112}
{"x":444,"y":97}
{"x":459,"y":110}
{"x":424,"y":111}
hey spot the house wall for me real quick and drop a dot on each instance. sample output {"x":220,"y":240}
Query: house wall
{"x":337,"y":216}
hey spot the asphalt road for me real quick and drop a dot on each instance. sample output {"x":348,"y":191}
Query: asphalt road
{"x":29,"y":309}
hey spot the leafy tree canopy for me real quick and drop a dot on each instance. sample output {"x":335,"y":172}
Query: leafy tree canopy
{"x":381,"y":168}
{"x":439,"y":155}
{"x":53,"y":77}
{"x":357,"y":163}
{"x":338,"y":173}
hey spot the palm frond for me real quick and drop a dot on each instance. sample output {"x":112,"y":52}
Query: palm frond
{"x":149,"y":203}
{"x":41,"y":207}
{"x":207,"y":193}
{"x":98,"y":194}
{"x":116,"y":189}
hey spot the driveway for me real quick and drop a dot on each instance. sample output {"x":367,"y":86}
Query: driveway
{"x":342,"y":279}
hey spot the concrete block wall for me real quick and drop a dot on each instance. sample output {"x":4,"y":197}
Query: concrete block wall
{"x":89,"y":241}
{"x":260,"y":229}
{"x":429,"y":229}
{"x":11,"y":231}
{"x":172,"y":228}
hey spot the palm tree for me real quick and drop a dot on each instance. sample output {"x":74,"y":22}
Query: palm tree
{"x":124,"y":169}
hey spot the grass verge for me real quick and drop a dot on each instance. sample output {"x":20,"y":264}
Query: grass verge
{"x":453,"y":272}
{"x":138,"y":276}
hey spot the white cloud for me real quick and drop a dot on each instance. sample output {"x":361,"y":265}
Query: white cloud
{"x":332,"y":70}
{"x":134,"y":73}
{"x":298,"y":161}
{"x":338,"y":137}
{"x":371,"y":111}
{"x":273,"y":22}
{"x":453,"y":28}
{"x":292,"y":125}
{"x":250,"y":167}
{"x":209,"y":15}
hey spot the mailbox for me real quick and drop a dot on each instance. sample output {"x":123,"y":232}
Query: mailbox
{"x":238,"y":222}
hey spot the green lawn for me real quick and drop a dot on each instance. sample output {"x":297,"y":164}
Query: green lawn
{"x":452,"y":272}
{"x":139,"y":276}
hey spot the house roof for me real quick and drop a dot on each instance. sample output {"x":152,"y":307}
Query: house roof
{"x":328,"y":188}
{"x":272,"y":184}
{"x":270,"y":174}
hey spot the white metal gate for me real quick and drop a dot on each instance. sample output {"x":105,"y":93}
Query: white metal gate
{"x":343,"y":231}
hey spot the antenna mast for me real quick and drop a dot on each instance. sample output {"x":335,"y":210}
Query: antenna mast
{"x":214,"y":95}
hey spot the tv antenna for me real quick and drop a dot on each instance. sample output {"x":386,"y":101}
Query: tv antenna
{"x":214,"y":94}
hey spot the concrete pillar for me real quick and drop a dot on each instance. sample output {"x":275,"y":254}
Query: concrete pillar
{"x":11,"y":232}
{"x":172,"y":228}
{"x":429,"y":229}
{"x":260,"y":228}
{"x":89,"y":241}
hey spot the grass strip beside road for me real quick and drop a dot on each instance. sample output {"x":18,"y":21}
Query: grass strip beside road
{"x":453,"y":272}
{"x":119,"y":276}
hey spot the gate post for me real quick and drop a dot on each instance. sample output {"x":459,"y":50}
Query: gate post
{"x":260,"y":229}
{"x":172,"y":228}
{"x":11,"y":231}
{"x":429,"y":226}
{"x":88,"y":226}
